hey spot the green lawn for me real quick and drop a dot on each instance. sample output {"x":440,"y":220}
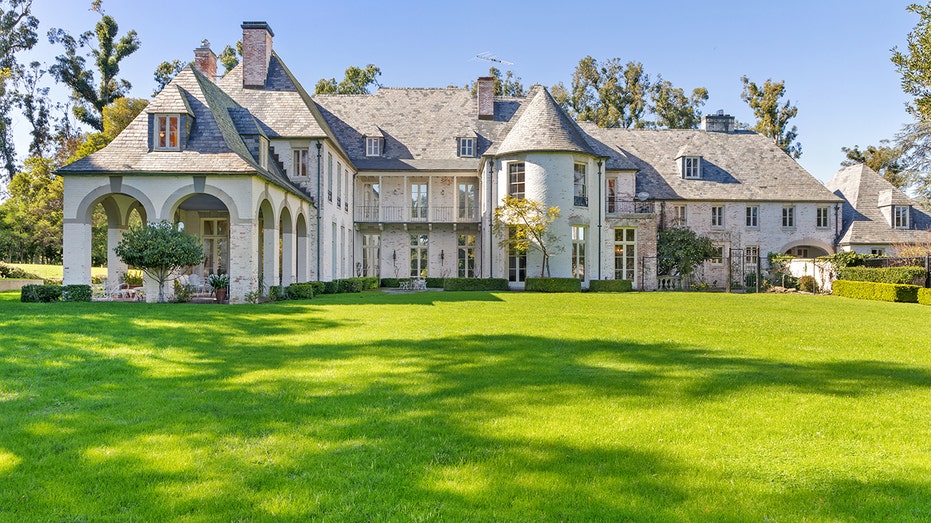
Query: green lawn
{"x":53,"y":272}
{"x":468,"y":406}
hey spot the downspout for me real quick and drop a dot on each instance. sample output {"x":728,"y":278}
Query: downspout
{"x":836,"y":228}
{"x":319,"y":203}
{"x":600,"y":213}
{"x":491,"y":201}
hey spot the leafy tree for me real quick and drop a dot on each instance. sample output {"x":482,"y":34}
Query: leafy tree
{"x":612,"y":94}
{"x":229,"y":57}
{"x":121,"y":113}
{"x":165,"y":72}
{"x":32,"y":216}
{"x":71,"y":69}
{"x":508,"y":85}
{"x":34,"y":102}
{"x":17,"y":34}
{"x":525,"y":224}
{"x":160,"y":250}
{"x":772,"y":120}
{"x":675,"y":110}
{"x":356,"y":81}
{"x":885,"y":160}
{"x":681,"y":249}
{"x":914,"y":65}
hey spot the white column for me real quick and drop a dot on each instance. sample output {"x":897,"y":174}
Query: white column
{"x":76,"y":251}
{"x":287,"y":257}
{"x":115,"y":266}
{"x":244,"y":264}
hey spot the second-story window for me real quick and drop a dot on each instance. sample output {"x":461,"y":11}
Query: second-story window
{"x":467,"y":147}
{"x":300,"y":162}
{"x":822,"y":220}
{"x":753,"y":216}
{"x":516,"y":180}
{"x":900,"y":215}
{"x":373,"y":145}
{"x":717,"y":216}
{"x":580,"y":191}
{"x":788,"y":216}
{"x":691,"y":167}
{"x":263,"y":152}
{"x":167,"y":132}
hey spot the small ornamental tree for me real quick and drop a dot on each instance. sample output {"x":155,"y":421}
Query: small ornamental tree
{"x":160,"y":250}
{"x":525,"y":224}
{"x":681,"y":249}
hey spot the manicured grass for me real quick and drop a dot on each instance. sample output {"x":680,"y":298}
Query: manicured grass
{"x":467,"y":406}
{"x":53,"y":272}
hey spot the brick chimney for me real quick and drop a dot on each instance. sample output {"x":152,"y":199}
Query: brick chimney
{"x":486,"y":98}
{"x":718,"y":123}
{"x":205,"y":61}
{"x":256,"y":53}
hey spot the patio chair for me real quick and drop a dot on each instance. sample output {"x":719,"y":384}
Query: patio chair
{"x":419,"y":284}
{"x":196,"y":281}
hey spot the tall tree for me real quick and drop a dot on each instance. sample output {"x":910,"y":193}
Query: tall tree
{"x":675,"y":110}
{"x":35,"y":104}
{"x":914,"y":65}
{"x":772,"y":119}
{"x":355,"y":81}
{"x":17,"y":34}
{"x":507,"y":85}
{"x":229,"y":57}
{"x":165,"y":72}
{"x":612,"y":94}
{"x":70,"y":68}
{"x":33,"y":213}
{"x":885,"y":160}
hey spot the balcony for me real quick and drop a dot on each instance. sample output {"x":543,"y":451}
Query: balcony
{"x":615,"y":205}
{"x":580,"y":201}
{"x":408,"y":214}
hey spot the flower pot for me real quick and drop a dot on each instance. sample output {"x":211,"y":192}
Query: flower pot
{"x":221,"y":295}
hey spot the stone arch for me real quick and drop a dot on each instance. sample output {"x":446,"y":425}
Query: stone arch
{"x":287,"y":247}
{"x":267,"y":221}
{"x":85,"y":208}
{"x":303,"y":246}
{"x":176,"y":198}
{"x":816,"y":244}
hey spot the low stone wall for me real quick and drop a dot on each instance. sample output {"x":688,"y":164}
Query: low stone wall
{"x":15,"y":285}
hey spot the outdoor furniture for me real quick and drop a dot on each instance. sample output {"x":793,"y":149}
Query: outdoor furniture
{"x":419,"y":284}
{"x":404,"y":285}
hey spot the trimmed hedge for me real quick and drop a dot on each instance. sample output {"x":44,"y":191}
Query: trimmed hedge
{"x":40,"y":293}
{"x":277,"y":293}
{"x":76,"y":293}
{"x":391,"y":283}
{"x":553,"y":285}
{"x":864,"y":290}
{"x":610,"y":286}
{"x":904,"y":275}
{"x":924,"y":296}
{"x":475,"y":284}
{"x":300,"y":291}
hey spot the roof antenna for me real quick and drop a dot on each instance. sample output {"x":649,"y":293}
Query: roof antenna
{"x":488,"y":57}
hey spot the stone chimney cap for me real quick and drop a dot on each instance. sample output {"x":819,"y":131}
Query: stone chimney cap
{"x":258,"y":25}
{"x":205,"y":44}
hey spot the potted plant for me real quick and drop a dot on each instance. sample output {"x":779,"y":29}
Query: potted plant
{"x":219,"y":283}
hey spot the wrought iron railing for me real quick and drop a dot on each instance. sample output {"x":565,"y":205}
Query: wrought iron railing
{"x":415,"y":214}
{"x":580,"y":201}
{"x":616,"y":205}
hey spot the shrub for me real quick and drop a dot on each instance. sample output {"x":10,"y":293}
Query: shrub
{"x":475,"y":284}
{"x":553,"y":285}
{"x":434,"y":283}
{"x":40,"y":293}
{"x":905,"y":275}
{"x":78,"y":292}
{"x":807,"y":284}
{"x":300,"y":291}
{"x":277,"y":293}
{"x":864,"y":290}
{"x":132,"y":278}
{"x":330,"y":287}
{"x":15,"y":273}
{"x":391,"y":283}
{"x":318,"y":287}
{"x":610,"y":286}
{"x":183,"y":293}
{"x":924,"y":296}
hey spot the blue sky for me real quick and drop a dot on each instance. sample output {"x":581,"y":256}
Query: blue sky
{"x":833,"y":55}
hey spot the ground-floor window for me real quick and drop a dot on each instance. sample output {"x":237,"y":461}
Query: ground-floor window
{"x":751,"y":255}
{"x":578,"y":252}
{"x":371,"y":247}
{"x":625,"y":253}
{"x":334,"y":253}
{"x":718,"y":257}
{"x":215,"y":235}
{"x":419,"y":243}
{"x":466,"y":258}
{"x":517,"y":263}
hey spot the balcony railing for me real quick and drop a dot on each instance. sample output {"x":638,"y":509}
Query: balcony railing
{"x":409,"y":214}
{"x":615,"y":205}
{"x":580,"y":201}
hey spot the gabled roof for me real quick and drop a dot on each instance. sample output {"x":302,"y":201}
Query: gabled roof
{"x":736,"y":166}
{"x":541,"y":125}
{"x":864,"y":222}
{"x":171,"y":101}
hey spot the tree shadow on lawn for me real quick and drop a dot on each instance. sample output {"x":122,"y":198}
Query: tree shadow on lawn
{"x":461,"y":427}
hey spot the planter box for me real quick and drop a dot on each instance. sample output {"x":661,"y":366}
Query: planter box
{"x":15,"y":285}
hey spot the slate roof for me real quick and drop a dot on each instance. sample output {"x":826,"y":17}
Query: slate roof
{"x":864,"y":222}
{"x":736,"y":166}
{"x":541,"y":125}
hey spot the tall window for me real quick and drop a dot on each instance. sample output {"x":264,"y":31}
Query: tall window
{"x":753,"y":216}
{"x":263,"y":152}
{"x":418,"y":201}
{"x":467,"y":147}
{"x":691,"y":167}
{"x":612,"y":195}
{"x":346,"y":188}
{"x":516,"y":180}
{"x":467,"y":200}
{"x":580,"y":186}
{"x":751,"y":254}
{"x":334,"y":253}
{"x":679,"y":216}
{"x":300,"y":162}
{"x":329,"y":177}
{"x":373,"y":145}
{"x":625,"y":253}
{"x":370,"y":195}
{"x":371,"y":254}
{"x":466,"y":258}
{"x":788,"y":216}
{"x":419,"y":243}
{"x":717,"y":216}
{"x":344,"y":247}
{"x":578,"y":252}
{"x":167,"y":132}
{"x":339,"y":183}
{"x":900,"y":213}
{"x":822,"y":220}
{"x":215,"y":237}
{"x":718,"y":257}
{"x":517,"y":264}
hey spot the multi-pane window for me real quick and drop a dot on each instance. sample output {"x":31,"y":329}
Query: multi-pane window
{"x":578,"y":252}
{"x":370,"y":210}
{"x":717,"y":216}
{"x":580,"y":191}
{"x":679,"y":216}
{"x":517,"y":263}
{"x":419,"y":243}
{"x":263,"y":152}
{"x":467,"y":147}
{"x":339,"y":183}
{"x":516,"y":180}
{"x":215,"y":239}
{"x":371,"y":246}
{"x":346,"y":188}
{"x":466,"y":202}
{"x":753,"y":216}
{"x":373,"y":145}
{"x":788,"y":216}
{"x":718,"y":257}
{"x":329,"y":177}
{"x":625,"y":253}
{"x":900,"y":214}
{"x":822,"y":220}
{"x":418,"y":201}
{"x":300,"y":162}
{"x":691,"y":167}
{"x":751,"y":254}
{"x":878,"y":252}
{"x":167,"y":132}
{"x":466,"y":257}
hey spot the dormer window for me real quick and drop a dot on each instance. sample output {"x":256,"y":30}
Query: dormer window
{"x":467,"y":147}
{"x":900,"y":216}
{"x":168,"y":132}
{"x":263,"y":152}
{"x":373,"y":145}
{"x":691,"y":167}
